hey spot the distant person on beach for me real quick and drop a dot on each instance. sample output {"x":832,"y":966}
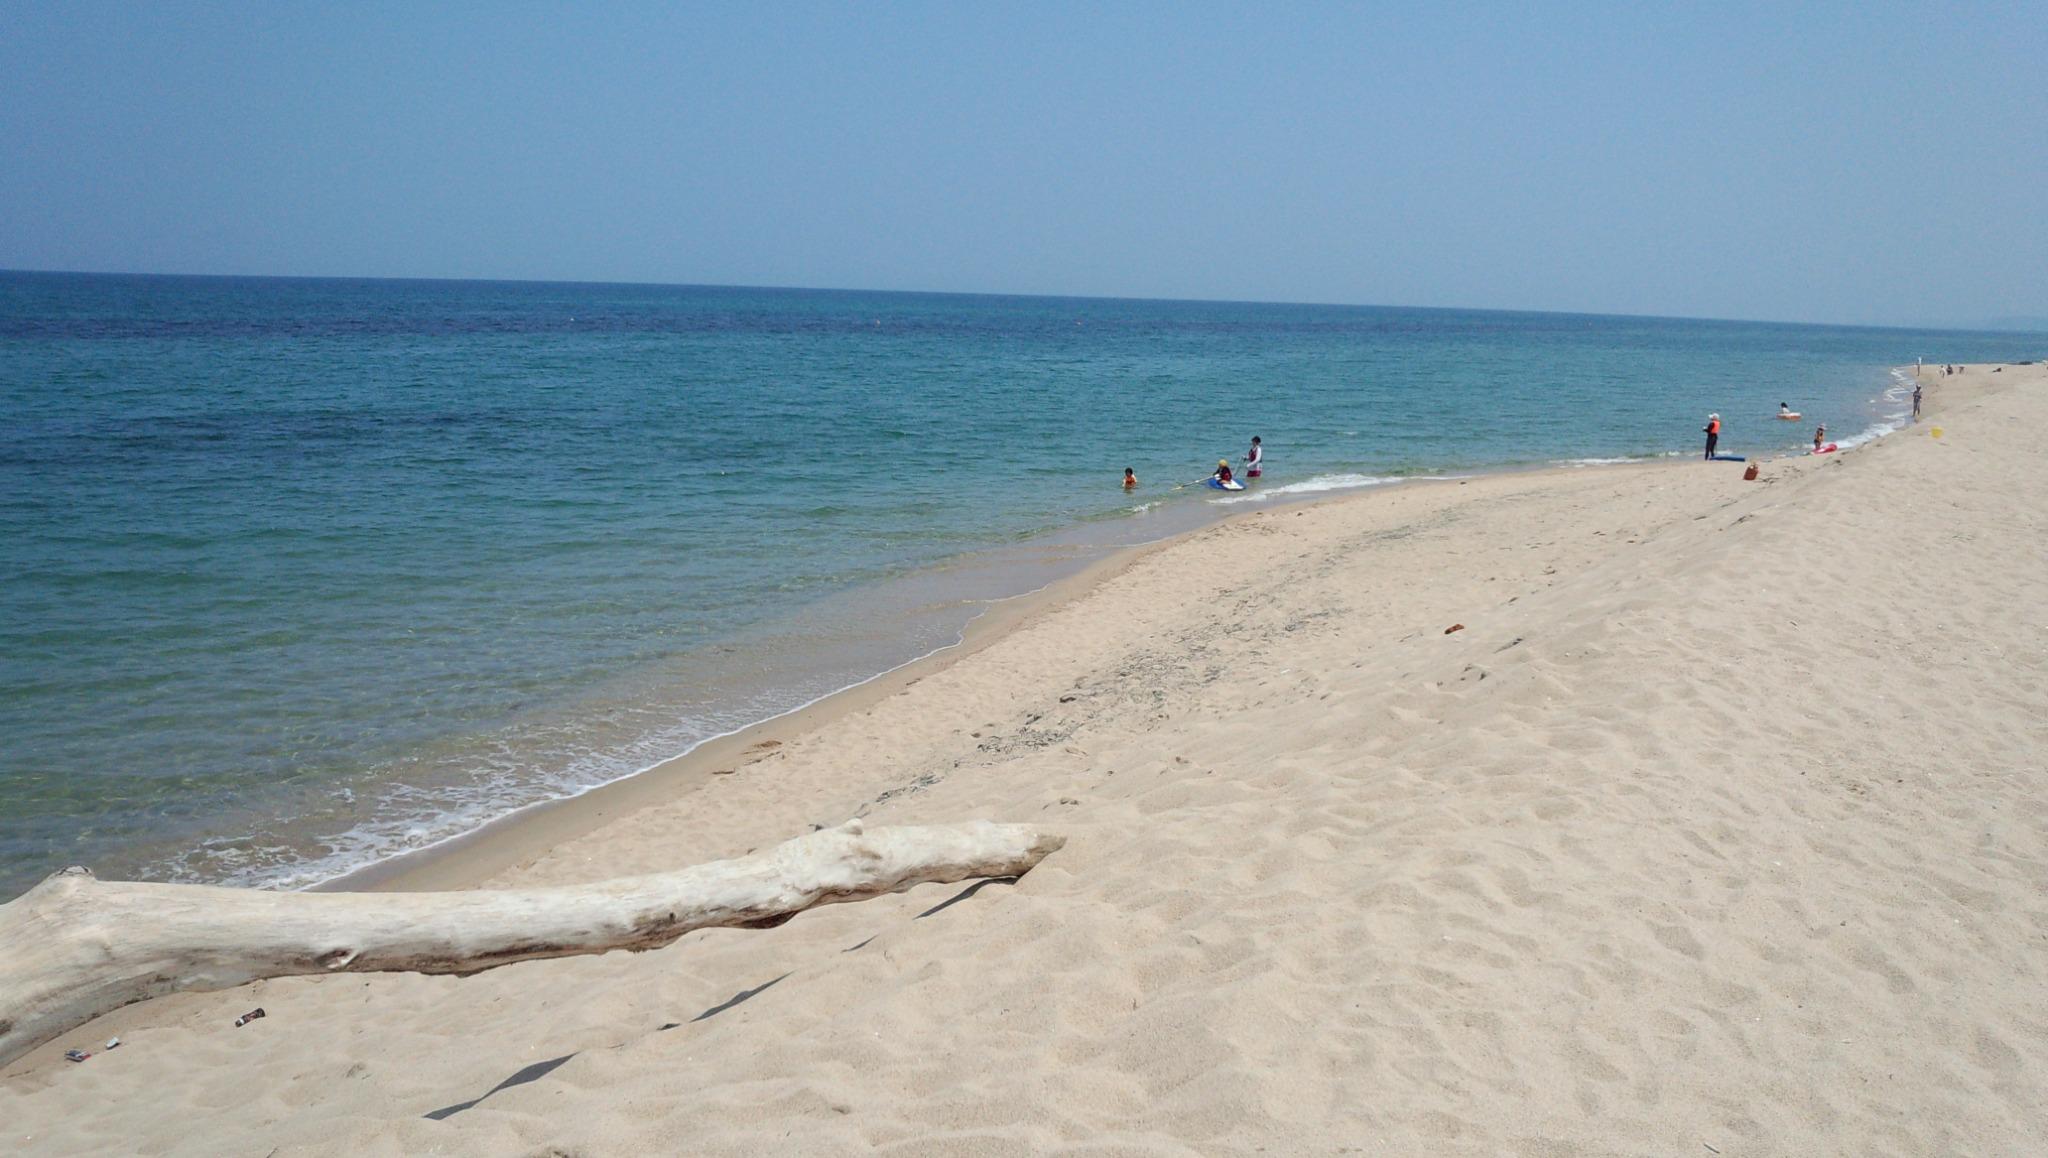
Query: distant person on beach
{"x":1713,"y":429}
{"x":1820,"y":435}
{"x":1255,"y":459}
{"x":1916,"y":403}
{"x":1222,"y":474}
{"x":1130,"y":479}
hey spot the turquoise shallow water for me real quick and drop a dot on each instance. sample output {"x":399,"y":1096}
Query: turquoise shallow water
{"x":295,"y":574}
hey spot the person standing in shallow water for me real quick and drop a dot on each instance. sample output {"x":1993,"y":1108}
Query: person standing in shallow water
{"x":1916,"y":402}
{"x":1130,"y":479}
{"x":1713,"y":429}
{"x":1255,"y":459}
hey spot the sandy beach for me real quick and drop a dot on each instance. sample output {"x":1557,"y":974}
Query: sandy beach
{"x":1720,"y":827}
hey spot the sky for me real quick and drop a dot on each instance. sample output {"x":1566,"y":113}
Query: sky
{"x":1868,"y":163}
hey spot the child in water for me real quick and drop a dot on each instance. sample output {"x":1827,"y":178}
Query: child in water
{"x":1820,"y":435}
{"x":1222,"y":474}
{"x":1130,"y":479}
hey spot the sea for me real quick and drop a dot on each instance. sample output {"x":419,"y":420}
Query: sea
{"x":299,"y":574}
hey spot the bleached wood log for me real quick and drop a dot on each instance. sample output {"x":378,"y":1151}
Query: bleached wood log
{"x":75,"y":947}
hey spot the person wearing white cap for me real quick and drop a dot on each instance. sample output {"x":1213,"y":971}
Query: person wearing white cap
{"x":1713,"y":429}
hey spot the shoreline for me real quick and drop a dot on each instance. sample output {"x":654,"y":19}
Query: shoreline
{"x":468,"y":859}
{"x":300,"y":846}
{"x":517,"y":837}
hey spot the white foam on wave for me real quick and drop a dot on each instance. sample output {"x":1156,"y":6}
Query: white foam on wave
{"x":1597,"y":461}
{"x":1869,"y":434}
{"x":1900,"y":392}
{"x":1316,"y":485}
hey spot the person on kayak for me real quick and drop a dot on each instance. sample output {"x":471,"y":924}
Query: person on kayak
{"x":1222,"y":474}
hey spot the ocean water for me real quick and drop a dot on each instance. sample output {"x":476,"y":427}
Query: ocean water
{"x":297,"y":574}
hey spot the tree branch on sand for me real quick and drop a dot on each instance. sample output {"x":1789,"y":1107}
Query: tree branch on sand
{"x":75,"y":947}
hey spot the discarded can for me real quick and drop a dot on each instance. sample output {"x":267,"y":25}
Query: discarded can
{"x":112,"y":1043}
{"x":249,"y":1017}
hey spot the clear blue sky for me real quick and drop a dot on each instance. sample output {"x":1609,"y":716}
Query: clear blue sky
{"x":1842,"y":162}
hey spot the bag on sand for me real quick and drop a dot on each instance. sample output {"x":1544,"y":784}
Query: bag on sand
{"x":1750,"y":474}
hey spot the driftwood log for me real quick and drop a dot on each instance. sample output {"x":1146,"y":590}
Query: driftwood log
{"x":75,"y":947}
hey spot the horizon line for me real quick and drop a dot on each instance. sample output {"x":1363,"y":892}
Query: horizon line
{"x":8,"y":270}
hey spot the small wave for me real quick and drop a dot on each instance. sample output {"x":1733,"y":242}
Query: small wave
{"x":1869,"y":434}
{"x":1888,"y":422}
{"x":414,"y":819}
{"x":1597,"y":461}
{"x":1316,"y":485}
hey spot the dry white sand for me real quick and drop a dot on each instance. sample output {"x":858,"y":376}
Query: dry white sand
{"x":1720,"y":829}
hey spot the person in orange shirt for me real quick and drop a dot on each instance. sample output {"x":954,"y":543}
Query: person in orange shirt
{"x":1713,"y":429}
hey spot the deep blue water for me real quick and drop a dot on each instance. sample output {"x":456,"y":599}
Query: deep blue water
{"x":297,"y":573}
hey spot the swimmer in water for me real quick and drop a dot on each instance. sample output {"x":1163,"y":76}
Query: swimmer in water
{"x":1130,"y":479}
